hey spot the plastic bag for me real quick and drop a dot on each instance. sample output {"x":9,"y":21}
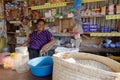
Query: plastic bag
{"x":77,"y":4}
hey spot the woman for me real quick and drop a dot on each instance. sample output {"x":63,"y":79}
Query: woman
{"x":39,"y":40}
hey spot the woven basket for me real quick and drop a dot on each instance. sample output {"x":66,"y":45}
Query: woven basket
{"x":64,"y":70}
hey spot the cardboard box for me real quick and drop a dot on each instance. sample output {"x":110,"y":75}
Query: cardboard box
{"x":67,"y":23}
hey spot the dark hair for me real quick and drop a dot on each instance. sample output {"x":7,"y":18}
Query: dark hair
{"x":40,"y":20}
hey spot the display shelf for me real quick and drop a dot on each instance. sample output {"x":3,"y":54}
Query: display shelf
{"x":58,"y":19}
{"x":86,"y":33}
{"x":11,"y":43}
{"x":99,"y":50}
{"x":61,"y":4}
{"x":11,"y":32}
{"x":101,"y":34}
{"x":116,"y":16}
{"x":63,"y":34}
{"x":88,"y":1}
{"x":47,"y":6}
{"x":15,"y":22}
{"x":96,"y":16}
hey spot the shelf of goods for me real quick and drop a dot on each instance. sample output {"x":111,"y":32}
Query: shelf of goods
{"x":108,"y":17}
{"x":95,"y":16}
{"x":100,"y":34}
{"x":87,"y":1}
{"x":63,"y":34}
{"x":11,"y":33}
{"x":15,"y":22}
{"x":99,"y":50}
{"x":61,"y":4}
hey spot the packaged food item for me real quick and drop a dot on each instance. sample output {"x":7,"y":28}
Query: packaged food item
{"x":55,"y":1}
{"x":111,"y":9}
{"x":103,"y":10}
{"x":1,"y":10}
{"x":35,"y":15}
{"x":40,"y":2}
{"x":118,"y":9}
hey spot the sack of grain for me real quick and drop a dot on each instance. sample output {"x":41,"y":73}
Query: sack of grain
{"x":84,"y":66}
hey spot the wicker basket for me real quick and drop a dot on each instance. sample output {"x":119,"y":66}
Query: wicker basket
{"x":64,"y":70}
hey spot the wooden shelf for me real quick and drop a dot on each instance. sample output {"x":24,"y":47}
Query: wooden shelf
{"x":60,"y":18}
{"x":63,"y":34}
{"x":70,"y":2}
{"x":11,"y":32}
{"x":64,"y":18}
{"x":96,"y":16}
{"x":99,"y":50}
{"x":86,"y":33}
{"x":11,"y":43}
{"x":15,"y":22}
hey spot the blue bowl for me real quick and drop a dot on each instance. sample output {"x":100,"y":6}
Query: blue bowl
{"x":41,"y":66}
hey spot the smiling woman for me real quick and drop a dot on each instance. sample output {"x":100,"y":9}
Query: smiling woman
{"x":39,"y":40}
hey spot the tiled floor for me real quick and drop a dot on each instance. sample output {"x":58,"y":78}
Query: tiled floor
{"x":13,"y":75}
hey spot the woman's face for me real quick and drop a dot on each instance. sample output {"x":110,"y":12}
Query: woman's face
{"x":40,"y":26}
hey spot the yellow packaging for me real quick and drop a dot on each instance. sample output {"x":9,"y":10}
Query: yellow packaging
{"x":103,"y":10}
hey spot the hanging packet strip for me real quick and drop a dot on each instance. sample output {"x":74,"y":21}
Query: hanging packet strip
{"x":77,"y":4}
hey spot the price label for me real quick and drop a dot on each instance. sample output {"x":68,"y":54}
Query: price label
{"x":108,"y":17}
{"x":117,"y":34}
{"x":112,"y":34}
{"x":118,"y":16}
{"x":86,"y":1}
{"x":49,"y":6}
{"x":103,"y":34}
{"x":35,"y":7}
{"x":91,"y":34}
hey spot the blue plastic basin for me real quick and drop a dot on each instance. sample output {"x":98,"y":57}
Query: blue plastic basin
{"x":41,"y":66}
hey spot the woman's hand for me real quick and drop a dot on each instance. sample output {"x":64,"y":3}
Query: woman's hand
{"x":44,"y":48}
{"x":26,"y":42}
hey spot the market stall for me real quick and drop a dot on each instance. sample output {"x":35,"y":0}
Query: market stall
{"x":90,"y":26}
